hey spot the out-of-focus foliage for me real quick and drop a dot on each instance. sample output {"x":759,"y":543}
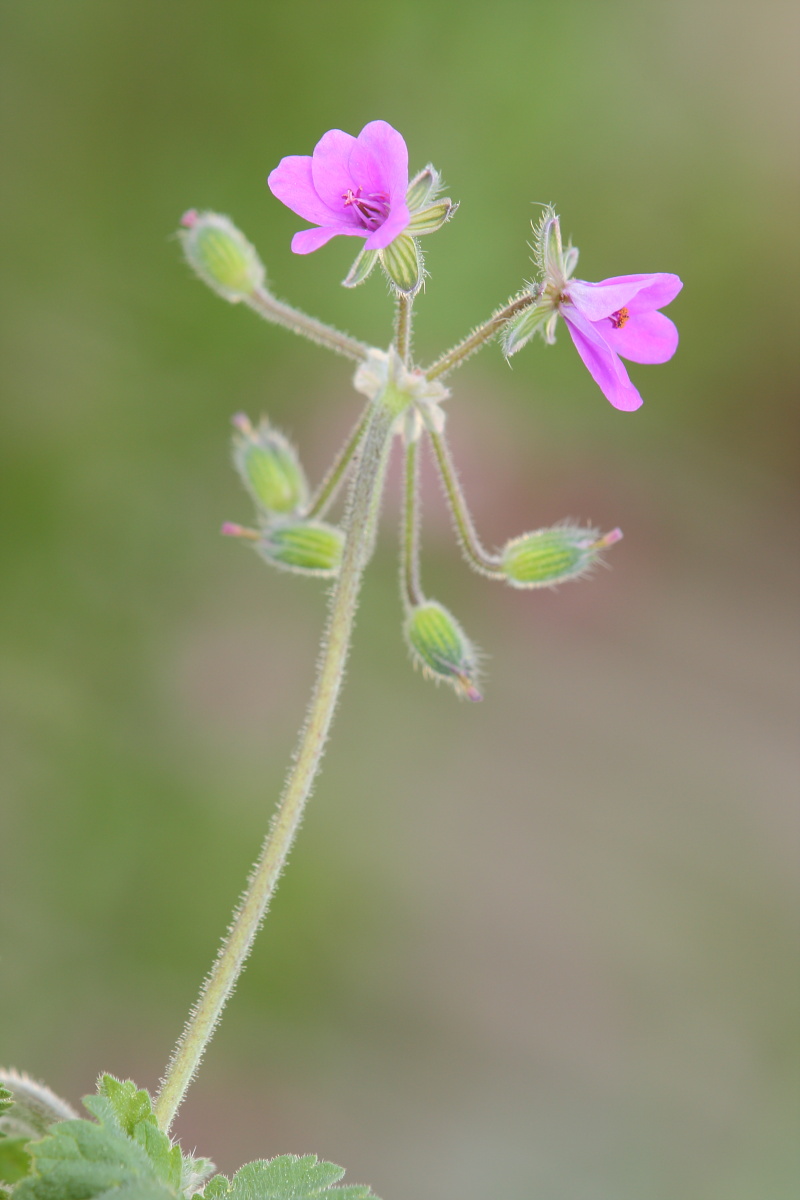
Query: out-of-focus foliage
{"x":548,"y":940}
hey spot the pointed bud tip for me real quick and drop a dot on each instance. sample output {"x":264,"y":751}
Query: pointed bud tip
{"x":241,"y":421}
{"x":189,"y":218}
{"x":468,"y":689}
{"x":609,"y":539}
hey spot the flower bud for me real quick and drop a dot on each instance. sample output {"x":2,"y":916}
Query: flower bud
{"x":440,"y":647}
{"x":268,"y":466}
{"x":307,"y":547}
{"x":221,"y":255}
{"x":550,"y":556}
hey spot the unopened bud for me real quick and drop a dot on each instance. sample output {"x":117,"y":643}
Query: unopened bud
{"x":550,"y":556}
{"x":440,"y":647}
{"x":221,"y":255}
{"x":268,"y":466}
{"x":307,"y":547}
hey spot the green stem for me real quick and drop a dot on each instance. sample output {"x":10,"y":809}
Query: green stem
{"x":327,"y":490}
{"x":479,"y":336}
{"x":487,"y":564}
{"x":316,"y":331}
{"x":409,"y":534}
{"x":365,"y":498}
{"x":402,"y":326}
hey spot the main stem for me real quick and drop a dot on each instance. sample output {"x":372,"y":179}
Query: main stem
{"x":365,"y":497}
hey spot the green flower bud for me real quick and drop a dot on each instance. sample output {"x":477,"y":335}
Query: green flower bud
{"x":307,"y":547}
{"x":550,"y":556}
{"x":221,"y":255}
{"x":268,"y":466}
{"x":440,"y":647}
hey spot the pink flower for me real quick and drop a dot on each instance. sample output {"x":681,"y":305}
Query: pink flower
{"x":619,"y":318}
{"x":616,"y":318}
{"x":355,"y":186}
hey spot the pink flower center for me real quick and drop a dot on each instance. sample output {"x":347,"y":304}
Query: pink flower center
{"x":372,"y":209}
{"x":619,"y":318}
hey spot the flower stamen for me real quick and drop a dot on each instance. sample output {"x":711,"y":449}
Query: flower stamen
{"x":372,"y":209}
{"x":619,"y":318}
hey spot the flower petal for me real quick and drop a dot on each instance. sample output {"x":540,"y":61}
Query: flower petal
{"x":381,"y":153}
{"x":657,"y":290}
{"x":331,"y":173}
{"x":601,"y":362}
{"x":292,"y":183}
{"x":311,"y":239}
{"x":637,"y":293}
{"x":395,"y":223}
{"x":646,"y":337}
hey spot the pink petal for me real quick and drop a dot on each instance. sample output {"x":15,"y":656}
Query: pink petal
{"x":381,"y":155}
{"x":657,"y":291}
{"x":395,"y":223}
{"x":331,"y":173}
{"x":637,"y":293}
{"x":292,"y":183}
{"x":646,"y":337}
{"x":311,"y":239}
{"x":601,"y":362}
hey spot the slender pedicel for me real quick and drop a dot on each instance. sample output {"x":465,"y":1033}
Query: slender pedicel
{"x":329,"y":488}
{"x":479,"y":337}
{"x":409,"y":532}
{"x":291,"y":318}
{"x":477,"y":557}
{"x":402,"y":326}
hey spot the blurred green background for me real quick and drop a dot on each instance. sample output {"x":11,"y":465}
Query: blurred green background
{"x":539,"y":947}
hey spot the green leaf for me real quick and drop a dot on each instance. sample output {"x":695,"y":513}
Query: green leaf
{"x":428,"y":220}
{"x":83,"y":1161}
{"x":15,"y":1161}
{"x":401,"y":262}
{"x":291,"y":1178}
{"x":129,"y":1104}
{"x":217,"y":1187}
{"x":361,"y":268}
{"x":124,"y":1156}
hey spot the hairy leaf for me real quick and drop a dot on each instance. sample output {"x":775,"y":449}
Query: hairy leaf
{"x":288,"y":1178}
{"x":123,"y":1156}
{"x":15,"y":1161}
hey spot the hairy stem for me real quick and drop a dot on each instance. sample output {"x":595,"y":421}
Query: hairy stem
{"x":402,"y":326}
{"x":409,"y":533}
{"x":316,"y":331}
{"x":328,"y":489}
{"x":480,"y":336}
{"x":365,"y":497}
{"x":487,"y":564}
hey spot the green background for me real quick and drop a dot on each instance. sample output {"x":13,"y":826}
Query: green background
{"x":539,"y":947}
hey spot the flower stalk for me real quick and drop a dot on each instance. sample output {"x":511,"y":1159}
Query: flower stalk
{"x":271,"y":309}
{"x":476,"y":556}
{"x":411,"y":586}
{"x":365,"y":498}
{"x":479,"y":337}
{"x":328,"y":490}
